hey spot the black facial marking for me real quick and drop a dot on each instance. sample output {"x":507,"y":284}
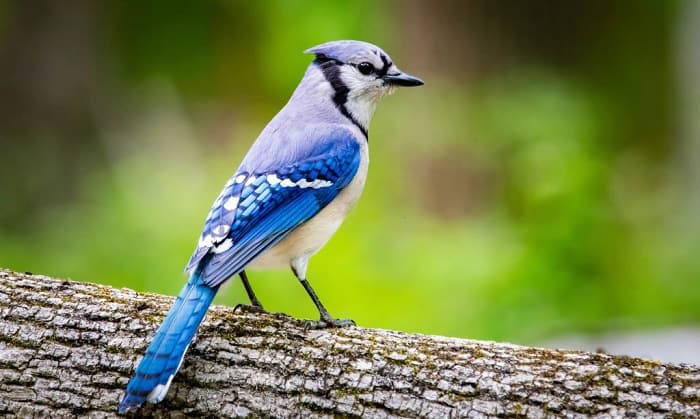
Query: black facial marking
{"x":322,"y":58}
{"x":331,"y":71}
{"x":382,"y":72}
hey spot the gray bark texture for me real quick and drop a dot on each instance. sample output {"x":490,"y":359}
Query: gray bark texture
{"x":68,"y":349}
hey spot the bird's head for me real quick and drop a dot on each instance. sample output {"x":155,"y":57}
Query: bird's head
{"x":360,"y":74}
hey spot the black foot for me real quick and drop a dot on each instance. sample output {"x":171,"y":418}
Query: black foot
{"x":328,"y":322}
{"x":249,"y":308}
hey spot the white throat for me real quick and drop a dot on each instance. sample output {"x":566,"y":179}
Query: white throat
{"x":362,"y":107}
{"x":363,"y":96}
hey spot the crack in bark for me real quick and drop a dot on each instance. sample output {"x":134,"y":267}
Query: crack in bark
{"x":67,"y":349}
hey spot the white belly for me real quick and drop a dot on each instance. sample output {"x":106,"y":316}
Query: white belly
{"x":310,"y":237}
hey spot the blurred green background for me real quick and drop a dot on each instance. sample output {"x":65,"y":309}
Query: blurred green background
{"x":544,"y":181}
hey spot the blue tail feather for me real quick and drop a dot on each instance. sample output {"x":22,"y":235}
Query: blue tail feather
{"x":165,"y":353}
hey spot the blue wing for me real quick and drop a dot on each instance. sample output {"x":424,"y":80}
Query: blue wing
{"x":259,"y":208}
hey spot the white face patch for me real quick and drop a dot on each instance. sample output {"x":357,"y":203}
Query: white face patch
{"x":364,"y":93}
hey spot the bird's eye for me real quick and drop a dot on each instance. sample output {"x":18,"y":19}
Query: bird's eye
{"x":365,"y":68}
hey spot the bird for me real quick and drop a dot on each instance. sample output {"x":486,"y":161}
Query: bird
{"x":298,"y":181}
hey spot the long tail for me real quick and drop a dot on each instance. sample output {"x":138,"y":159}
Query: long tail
{"x":164,"y":355}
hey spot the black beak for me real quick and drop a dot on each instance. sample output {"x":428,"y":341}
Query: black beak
{"x":402,"y":79}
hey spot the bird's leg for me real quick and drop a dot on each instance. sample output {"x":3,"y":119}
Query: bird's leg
{"x":326,"y":319}
{"x":255,"y":304}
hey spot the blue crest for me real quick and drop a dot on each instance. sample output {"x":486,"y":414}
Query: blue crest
{"x":349,"y":51}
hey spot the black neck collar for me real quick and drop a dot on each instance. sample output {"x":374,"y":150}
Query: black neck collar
{"x":331,"y":71}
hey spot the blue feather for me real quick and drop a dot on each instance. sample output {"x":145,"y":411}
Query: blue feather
{"x":256,"y":210}
{"x":165,"y":353}
{"x":303,"y":159}
{"x":265,"y":234}
{"x":270,"y":204}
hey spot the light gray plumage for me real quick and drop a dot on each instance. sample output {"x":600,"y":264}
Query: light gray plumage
{"x":290,"y":194}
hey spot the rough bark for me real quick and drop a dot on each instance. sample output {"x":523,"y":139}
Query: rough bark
{"x":68,"y":349}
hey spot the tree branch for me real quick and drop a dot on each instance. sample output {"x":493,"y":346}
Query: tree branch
{"x":69,"y":348}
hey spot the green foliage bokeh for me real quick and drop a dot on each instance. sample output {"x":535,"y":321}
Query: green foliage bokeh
{"x":506,"y":205}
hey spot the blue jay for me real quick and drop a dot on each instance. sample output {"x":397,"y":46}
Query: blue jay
{"x":289,"y":195}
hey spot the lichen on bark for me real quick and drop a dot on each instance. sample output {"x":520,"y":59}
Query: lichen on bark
{"x":68,"y":349}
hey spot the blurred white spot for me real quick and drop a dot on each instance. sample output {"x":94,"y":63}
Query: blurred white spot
{"x":224,"y":246}
{"x":206,"y":241}
{"x":221,"y":230}
{"x":303,"y":183}
{"x":158,"y":393}
{"x":161,"y":390}
{"x":231,"y":203}
{"x":321,"y":183}
{"x":273,"y":179}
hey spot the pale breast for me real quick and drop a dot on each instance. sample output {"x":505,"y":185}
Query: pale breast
{"x":312,"y":235}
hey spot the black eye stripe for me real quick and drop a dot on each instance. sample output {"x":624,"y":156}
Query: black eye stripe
{"x":324,"y":60}
{"x":331,"y":71}
{"x":387,"y":64}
